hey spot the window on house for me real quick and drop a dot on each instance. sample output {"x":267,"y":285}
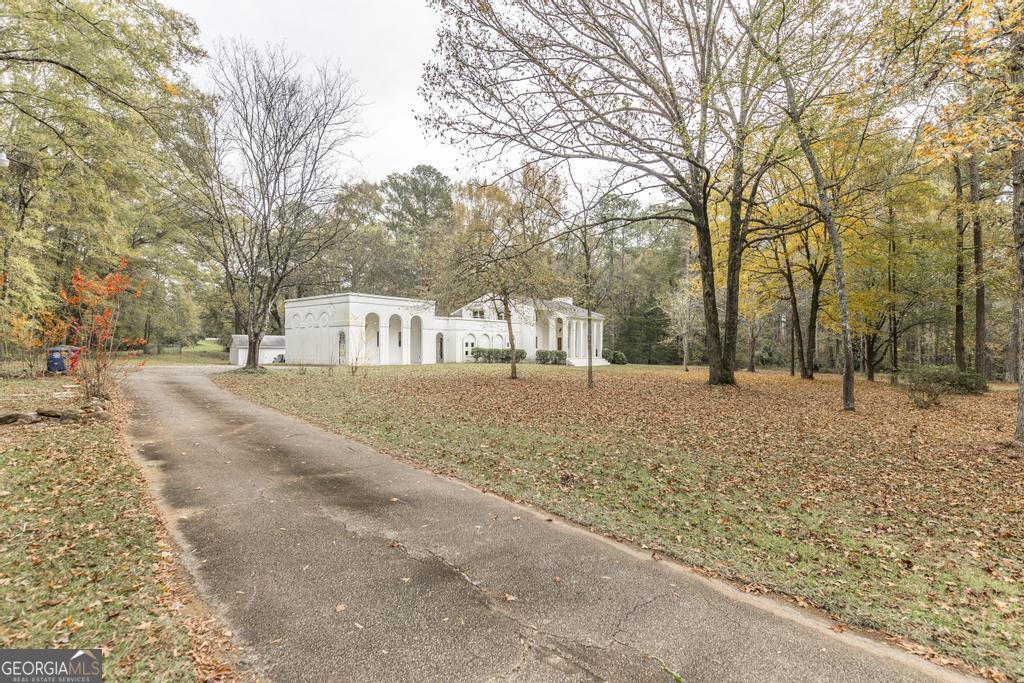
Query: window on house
{"x":399,"y":339}
{"x":501,"y":315}
{"x":478,"y":313}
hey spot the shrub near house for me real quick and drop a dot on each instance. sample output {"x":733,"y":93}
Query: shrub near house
{"x":551,"y":357}
{"x":489,"y":355}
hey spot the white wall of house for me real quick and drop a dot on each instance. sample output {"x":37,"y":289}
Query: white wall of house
{"x":368,"y":329}
{"x":270,"y":349}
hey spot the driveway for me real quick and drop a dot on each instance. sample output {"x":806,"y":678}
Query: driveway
{"x":330,"y":561}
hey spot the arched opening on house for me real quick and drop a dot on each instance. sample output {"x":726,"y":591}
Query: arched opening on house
{"x":371,"y":344}
{"x":468,"y":344}
{"x":559,"y":330}
{"x":498,"y":341}
{"x":416,"y":340}
{"x":440,"y":347}
{"x":342,"y":348}
{"x":395,"y":340}
{"x":485,"y":341}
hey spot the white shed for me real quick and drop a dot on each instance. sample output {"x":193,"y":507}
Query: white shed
{"x":271,"y":350}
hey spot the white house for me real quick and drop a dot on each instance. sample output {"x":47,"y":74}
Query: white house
{"x":272,"y":347}
{"x":367,"y":329}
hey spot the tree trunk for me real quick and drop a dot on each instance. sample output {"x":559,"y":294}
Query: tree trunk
{"x":1013,"y":347}
{"x":751,"y":345}
{"x":687,"y":253}
{"x":958,"y":316}
{"x":507,"y":307}
{"x":869,"y":357}
{"x":792,"y":349}
{"x":734,"y":261}
{"x":720,"y":371}
{"x":590,"y":349}
{"x":252,"y":361}
{"x":5,"y":273}
{"x":1016,"y":64}
{"x":980,"y":351}
{"x":796,"y":334}
{"x":811,"y":355}
{"x":588,"y":287}
{"x":838,"y":262}
{"x":893,"y":331}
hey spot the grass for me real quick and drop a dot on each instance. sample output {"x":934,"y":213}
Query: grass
{"x":203,"y":353}
{"x":893,"y":518}
{"x":81,"y":563}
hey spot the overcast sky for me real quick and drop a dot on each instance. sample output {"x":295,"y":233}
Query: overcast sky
{"x":383,"y":43}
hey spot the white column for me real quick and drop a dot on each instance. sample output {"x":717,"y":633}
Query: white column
{"x":407,"y":343}
{"x":551,"y":332}
{"x":384,"y":335}
{"x":581,"y":342}
{"x":570,"y":348}
{"x":356,"y":339}
{"x":429,"y":346}
{"x":597,"y":339}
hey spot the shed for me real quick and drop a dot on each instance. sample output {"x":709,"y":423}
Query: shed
{"x":271,"y":350}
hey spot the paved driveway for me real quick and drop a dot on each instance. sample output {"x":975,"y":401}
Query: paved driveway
{"x":330,"y":561}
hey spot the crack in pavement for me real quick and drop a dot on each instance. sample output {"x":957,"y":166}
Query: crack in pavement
{"x":339,"y":521}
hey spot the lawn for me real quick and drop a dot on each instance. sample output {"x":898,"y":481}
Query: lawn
{"x":82,"y":560}
{"x":903,"y":520}
{"x":203,"y":353}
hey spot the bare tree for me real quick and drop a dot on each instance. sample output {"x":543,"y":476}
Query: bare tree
{"x":590,"y":219}
{"x":261,"y":173}
{"x":668,"y":91}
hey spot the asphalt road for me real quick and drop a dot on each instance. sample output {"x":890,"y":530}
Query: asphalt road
{"x":330,"y":561}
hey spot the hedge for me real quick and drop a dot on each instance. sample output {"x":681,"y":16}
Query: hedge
{"x":614,"y":357}
{"x":551,"y":357}
{"x":926,"y":384}
{"x":491,"y":355}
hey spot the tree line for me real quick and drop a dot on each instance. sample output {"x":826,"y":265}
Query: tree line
{"x":810,"y":184}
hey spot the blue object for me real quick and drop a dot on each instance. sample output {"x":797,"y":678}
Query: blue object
{"x":55,"y":360}
{"x":61,"y":358}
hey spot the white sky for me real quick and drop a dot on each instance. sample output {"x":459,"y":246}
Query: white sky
{"x":382,"y":43}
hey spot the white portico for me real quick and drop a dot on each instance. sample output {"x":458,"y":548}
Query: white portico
{"x":367,"y":329}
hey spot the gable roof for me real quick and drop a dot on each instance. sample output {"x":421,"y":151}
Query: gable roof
{"x":270,"y":341}
{"x":561,"y":306}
